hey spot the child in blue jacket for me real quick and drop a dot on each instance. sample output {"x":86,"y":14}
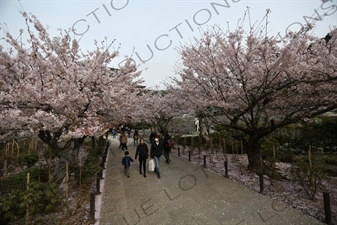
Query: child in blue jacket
{"x":126,"y":162}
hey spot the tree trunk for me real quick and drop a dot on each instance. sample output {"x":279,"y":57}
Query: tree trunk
{"x":64,"y":157}
{"x":254,"y":155}
{"x":93,"y":142}
{"x":65,"y":151}
{"x":70,"y":155}
{"x":101,"y":141}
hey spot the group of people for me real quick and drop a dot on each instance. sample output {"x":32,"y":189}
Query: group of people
{"x":157,"y":149}
{"x":123,"y":140}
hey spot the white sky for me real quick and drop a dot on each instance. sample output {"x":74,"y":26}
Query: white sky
{"x":134,"y":24}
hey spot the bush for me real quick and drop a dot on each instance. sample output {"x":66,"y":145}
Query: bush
{"x":29,"y":159}
{"x":219,"y":135}
{"x":308,"y":177}
{"x":286,"y":157}
{"x":91,"y":165}
{"x":332,"y":160}
{"x":189,"y":140}
{"x":12,"y":207}
{"x":321,"y":133}
{"x":18,"y":181}
{"x":41,"y":198}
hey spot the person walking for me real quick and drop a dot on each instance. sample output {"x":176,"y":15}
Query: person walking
{"x":126,"y":162}
{"x":156,"y":152}
{"x":124,"y":140}
{"x":152,"y":135}
{"x":167,"y":148}
{"x":143,"y":152}
{"x":135,"y":138}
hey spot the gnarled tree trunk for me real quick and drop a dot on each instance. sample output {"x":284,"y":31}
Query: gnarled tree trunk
{"x":66,"y":151}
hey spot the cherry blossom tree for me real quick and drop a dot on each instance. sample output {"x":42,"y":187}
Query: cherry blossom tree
{"x":253,"y":84}
{"x":54,"y":90}
{"x":160,"y":107}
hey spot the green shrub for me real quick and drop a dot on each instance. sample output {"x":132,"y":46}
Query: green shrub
{"x":41,"y":198}
{"x":308,"y":177}
{"x":332,"y":160}
{"x":187,"y":140}
{"x":91,"y":165}
{"x":29,"y":159}
{"x":218,"y":135}
{"x":321,"y":133}
{"x":284,"y":156}
{"x":18,"y":181}
{"x":12,"y":207}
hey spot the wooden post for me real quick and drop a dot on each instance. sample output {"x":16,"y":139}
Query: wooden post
{"x":310,"y":164}
{"x":103,"y":162}
{"x":67,"y":179}
{"x":27,"y":206}
{"x":226,"y":168}
{"x":98,"y":186}
{"x":309,"y":155}
{"x":5,"y":169}
{"x":192,"y":141}
{"x":237,"y":147}
{"x":80,"y":171}
{"x":13,"y":148}
{"x":273,"y":165}
{"x":92,"y":208}
{"x":241,"y":161}
{"x":327,"y":207}
{"x":261,"y":174}
{"x":49,"y":165}
{"x":39,"y":167}
{"x":18,"y":149}
{"x":224,"y":146}
{"x":200,"y":144}
{"x":211,"y":141}
{"x":261,"y":182}
{"x":29,"y":144}
{"x":7,"y":148}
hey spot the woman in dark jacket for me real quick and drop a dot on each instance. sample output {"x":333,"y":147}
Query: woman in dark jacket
{"x":167,"y":148}
{"x":156,"y":152}
{"x":135,"y":138}
{"x":143,"y":153}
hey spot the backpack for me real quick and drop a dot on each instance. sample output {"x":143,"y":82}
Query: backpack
{"x":123,"y":138}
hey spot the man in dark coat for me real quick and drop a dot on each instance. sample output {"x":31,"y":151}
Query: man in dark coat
{"x":167,"y":148}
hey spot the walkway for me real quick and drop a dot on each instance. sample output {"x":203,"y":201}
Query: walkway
{"x":185,"y":194}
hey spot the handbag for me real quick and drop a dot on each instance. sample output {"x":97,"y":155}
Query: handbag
{"x":151,"y":165}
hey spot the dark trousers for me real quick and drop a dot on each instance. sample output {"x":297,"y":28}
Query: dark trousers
{"x":167,"y":155}
{"x":142,"y":163}
{"x":126,"y":170}
{"x":124,"y":146}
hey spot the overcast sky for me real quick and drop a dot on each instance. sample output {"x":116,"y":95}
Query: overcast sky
{"x":151,"y":30}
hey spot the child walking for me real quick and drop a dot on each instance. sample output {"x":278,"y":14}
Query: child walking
{"x":126,"y":162}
